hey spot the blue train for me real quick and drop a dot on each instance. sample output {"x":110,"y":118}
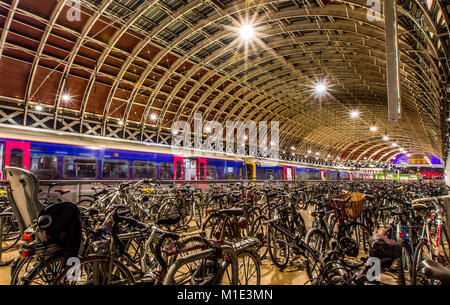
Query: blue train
{"x":52,"y":156}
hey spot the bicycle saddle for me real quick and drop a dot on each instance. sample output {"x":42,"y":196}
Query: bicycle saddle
{"x":62,"y":192}
{"x":231,"y":211}
{"x":435,"y":271}
{"x":171,"y":220}
{"x":420,"y":207}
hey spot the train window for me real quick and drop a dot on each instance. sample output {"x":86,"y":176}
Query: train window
{"x":279,"y":175}
{"x":115,"y":169}
{"x":79,"y":167}
{"x":261,"y":173}
{"x":144,"y":169}
{"x":230,"y":173}
{"x":16,"y":157}
{"x":211,"y":172}
{"x":165,"y":170}
{"x":44,"y":166}
{"x":269,"y":174}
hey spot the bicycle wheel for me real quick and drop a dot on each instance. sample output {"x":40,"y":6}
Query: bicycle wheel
{"x":249,"y":268}
{"x":10,"y":235}
{"x":85,"y":203}
{"x":95,"y":271}
{"x":187,"y":210}
{"x":422,"y":252}
{"x":258,"y":230}
{"x":299,"y":224}
{"x":153,"y":211}
{"x":354,"y":241}
{"x":278,"y":247}
{"x":318,"y":242}
{"x":405,"y":267}
{"x":42,"y":272}
{"x":197,"y":212}
{"x":444,"y":246}
{"x":168,"y":209}
{"x":184,"y":273}
{"x":210,"y":269}
{"x":20,"y":267}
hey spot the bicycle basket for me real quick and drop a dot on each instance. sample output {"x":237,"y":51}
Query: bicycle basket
{"x":354,"y":207}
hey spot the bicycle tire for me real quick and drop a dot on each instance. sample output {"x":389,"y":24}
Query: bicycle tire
{"x":259,"y":231}
{"x":320,"y":246}
{"x":418,"y":257}
{"x":273,"y":240}
{"x":351,"y":260}
{"x":197,"y":214}
{"x":116,"y":265}
{"x":44,"y":269}
{"x":251,"y":256}
{"x":444,"y":247}
{"x":168,"y":209}
{"x":203,"y":255}
{"x":85,"y":203}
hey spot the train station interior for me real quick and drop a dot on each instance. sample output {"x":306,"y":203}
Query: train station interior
{"x":224,"y":142}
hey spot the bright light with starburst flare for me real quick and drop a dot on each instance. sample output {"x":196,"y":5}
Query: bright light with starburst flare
{"x":66,"y":97}
{"x":247,"y":32}
{"x":320,"y":88}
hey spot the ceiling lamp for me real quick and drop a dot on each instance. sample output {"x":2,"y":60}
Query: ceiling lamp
{"x":354,"y":114}
{"x":394,"y":144}
{"x":120,"y":123}
{"x":247,"y":32}
{"x":38,"y":107}
{"x":153,"y":117}
{"x":320,"y":88}
{"x":373,"y":128}
{"x":65,"y":98}
{"x":385,"y":138}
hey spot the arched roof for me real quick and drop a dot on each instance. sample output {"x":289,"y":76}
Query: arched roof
{"x":125,"y":60}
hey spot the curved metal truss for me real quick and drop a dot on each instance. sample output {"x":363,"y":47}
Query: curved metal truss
{"x":133,"y":67}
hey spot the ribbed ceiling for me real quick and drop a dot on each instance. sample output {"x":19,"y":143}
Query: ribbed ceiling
{"x":127,"y":59}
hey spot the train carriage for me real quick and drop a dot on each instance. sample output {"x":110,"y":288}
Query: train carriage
{"x":75,"y":157}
